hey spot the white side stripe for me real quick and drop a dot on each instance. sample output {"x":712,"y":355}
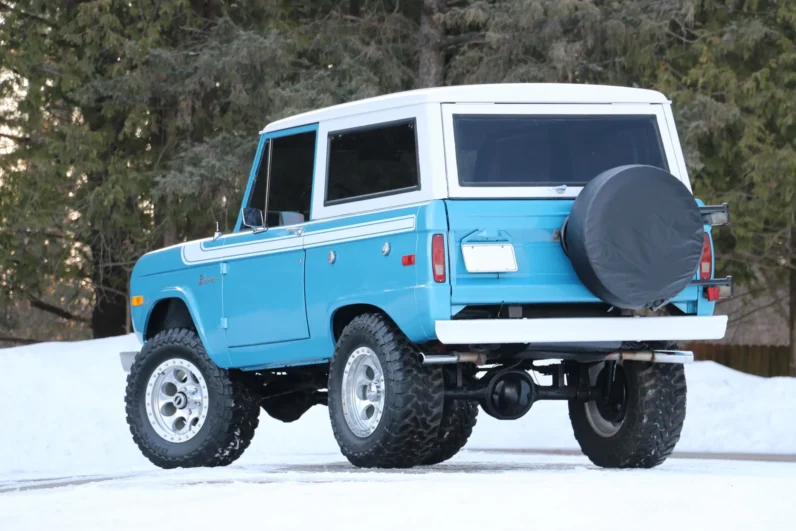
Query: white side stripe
{"x":196,"y":252}
{"x":360,"y":231}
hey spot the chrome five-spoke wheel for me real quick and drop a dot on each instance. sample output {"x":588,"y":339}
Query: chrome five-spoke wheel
{"x":363,"y":391}
{"x":177,"y":400}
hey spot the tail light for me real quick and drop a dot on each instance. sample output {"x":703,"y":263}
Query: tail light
{"x":706,"y":268}
{"x":438,"y":258}
{"x":706,"y":262}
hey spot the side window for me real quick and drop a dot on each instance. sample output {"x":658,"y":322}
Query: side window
{"x":257,"y":196}
{"x":373,"y":161}
{"x":290,"y":190}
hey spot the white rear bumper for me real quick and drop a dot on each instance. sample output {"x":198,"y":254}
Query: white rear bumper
{"x":580,"y":329}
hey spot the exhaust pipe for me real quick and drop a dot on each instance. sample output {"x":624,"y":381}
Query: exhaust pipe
{"x":654,"y":356}
{"x":451,"y":359}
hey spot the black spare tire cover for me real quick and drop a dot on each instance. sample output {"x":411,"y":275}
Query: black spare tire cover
{"x":634,"y":236}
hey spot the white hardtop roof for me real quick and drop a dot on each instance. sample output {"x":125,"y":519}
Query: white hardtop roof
{"x":498,"y":93}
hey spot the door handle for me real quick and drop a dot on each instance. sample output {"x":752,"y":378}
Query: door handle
{"x":295,"y":231}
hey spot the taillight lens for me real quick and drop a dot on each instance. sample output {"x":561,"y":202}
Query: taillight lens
{"x":438,"y":258}
{"x":706,"y":262}
{"x":706,"y":269}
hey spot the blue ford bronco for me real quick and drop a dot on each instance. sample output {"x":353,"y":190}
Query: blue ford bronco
{"x":408,"y":258}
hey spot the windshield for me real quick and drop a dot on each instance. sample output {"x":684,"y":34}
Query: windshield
{"x":551,"y":150}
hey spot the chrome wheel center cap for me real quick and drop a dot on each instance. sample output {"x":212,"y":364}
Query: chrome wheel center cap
{"x":180,"y":401}
{"x":373,"y":392}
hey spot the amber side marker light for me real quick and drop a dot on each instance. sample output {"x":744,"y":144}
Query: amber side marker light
{"x":138,"y":300}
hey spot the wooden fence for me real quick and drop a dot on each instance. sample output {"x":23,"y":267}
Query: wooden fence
{"x":762,"y":360}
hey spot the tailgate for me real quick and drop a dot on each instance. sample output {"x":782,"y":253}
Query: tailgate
{"x":543,"y":273}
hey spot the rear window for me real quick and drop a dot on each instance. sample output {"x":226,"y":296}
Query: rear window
{"x":551,"y":150}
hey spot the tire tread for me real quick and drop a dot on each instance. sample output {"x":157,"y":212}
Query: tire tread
{"x":458,"y":420}
{"x":415,"y":399}
{"x":655,"y":420}
{"x":233,"y":424}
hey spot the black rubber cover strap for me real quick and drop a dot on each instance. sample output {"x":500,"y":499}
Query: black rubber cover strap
{"x":635,"y":236}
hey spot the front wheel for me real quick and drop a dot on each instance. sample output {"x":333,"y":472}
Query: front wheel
{"x":639,"y":423}
{"x":384,"y":405}
{"x":184,"y":411}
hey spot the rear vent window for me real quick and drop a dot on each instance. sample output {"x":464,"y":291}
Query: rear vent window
{"x":551,"y":150}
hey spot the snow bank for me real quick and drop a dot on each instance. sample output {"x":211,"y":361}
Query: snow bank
{"x":62,"y":413}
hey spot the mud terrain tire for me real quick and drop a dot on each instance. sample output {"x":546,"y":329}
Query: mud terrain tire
{"x":653,"y":419}
{"x":458,"y":420}
{"x":232,"y":413}
{"x":407,"y":429}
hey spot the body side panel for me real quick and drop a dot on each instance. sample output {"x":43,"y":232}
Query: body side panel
{"x":182,"y":282}
{"x":360,"y":273}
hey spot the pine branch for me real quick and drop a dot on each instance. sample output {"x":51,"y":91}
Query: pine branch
{"x":772,"y":288}
{"x":6,"y":7}
{"x":15,"y":138}
{"x":741,"y":318}
{"x":60,"y":312}
{"x":18,"y":340}
{"x":113,"y":291}
{"x":467,"y":38}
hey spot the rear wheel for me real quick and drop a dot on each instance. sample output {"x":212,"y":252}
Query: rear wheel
{"x":384,"y":405}
{"x":458,"y":421}
{"x":639,"y":423}
{"x":184,"y":411}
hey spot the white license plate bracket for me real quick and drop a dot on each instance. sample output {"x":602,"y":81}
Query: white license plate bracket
{"x":489,"y":258}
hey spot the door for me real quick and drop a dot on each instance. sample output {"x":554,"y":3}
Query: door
{"x":264,"y":288}
{"x":263,"y":274}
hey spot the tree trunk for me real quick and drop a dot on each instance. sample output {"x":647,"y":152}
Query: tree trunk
{"x":165,"y":136}
{"x":170,"y":233}
{"x":431,"y":59}
{"x":109,"y":316}
{"x":792,"y":297}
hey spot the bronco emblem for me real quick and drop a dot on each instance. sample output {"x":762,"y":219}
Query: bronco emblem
{"x":206,"y":280}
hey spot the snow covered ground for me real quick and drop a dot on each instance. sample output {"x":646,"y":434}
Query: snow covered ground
{"x":473,"y":492}
{"x":67,"y":462}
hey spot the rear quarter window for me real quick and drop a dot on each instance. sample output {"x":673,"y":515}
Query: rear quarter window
{"x":373,"y":161}
{"x":551,"y":150}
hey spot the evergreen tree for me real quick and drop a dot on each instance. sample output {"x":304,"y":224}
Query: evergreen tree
{"x":131,"y":125}
{"x":732,"y":71}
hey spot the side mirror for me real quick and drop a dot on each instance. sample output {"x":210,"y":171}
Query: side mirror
{"x":253,"y":219}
